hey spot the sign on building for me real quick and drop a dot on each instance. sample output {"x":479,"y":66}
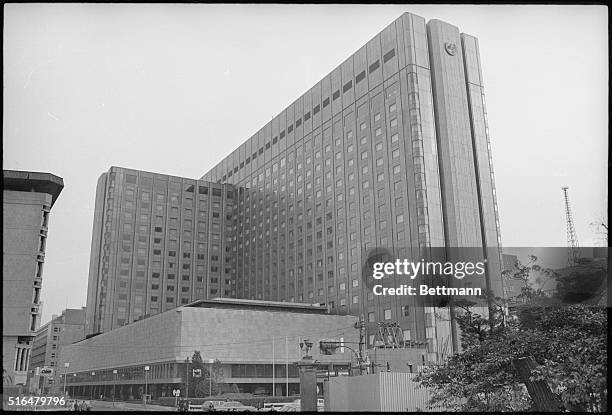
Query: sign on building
{"x":46,"y":371}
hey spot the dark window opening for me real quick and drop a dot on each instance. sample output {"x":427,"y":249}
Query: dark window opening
{"x":325,"y":102}
{"x":389,"y":55}
{"x":316,"y":109}
{"x":336,"y":95}
{"x":360,"y":77}
{"x":374,"y":66}
{"x":347,"y":86}
{"x":307,"y":116}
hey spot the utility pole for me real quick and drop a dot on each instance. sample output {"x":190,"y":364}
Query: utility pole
{"x":362,"y":338}
{"x":572,"y":238}
{"x":187,"y":381}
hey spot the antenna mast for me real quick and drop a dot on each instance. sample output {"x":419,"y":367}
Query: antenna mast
{"x":572,"y":238}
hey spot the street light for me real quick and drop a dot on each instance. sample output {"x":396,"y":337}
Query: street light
{"x":146,"y":368}
{"x":187,"y":379}
{"x":92,"y":386}
{"x":211,"y":362}
{"x":114,"y":385}
{"x":66,"y":365}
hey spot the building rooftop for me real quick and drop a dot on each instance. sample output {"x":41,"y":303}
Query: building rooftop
{"x":30,"y":181}
{"x":238,"y":303}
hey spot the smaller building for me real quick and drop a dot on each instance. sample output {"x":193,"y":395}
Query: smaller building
{"x":62,"y":330}
{"x":27,"y":201}
{"x":255,"y":342}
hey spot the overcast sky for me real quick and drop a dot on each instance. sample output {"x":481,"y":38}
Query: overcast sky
{"x":175,"y":88}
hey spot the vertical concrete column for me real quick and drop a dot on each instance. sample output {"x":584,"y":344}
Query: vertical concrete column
{"x":308,"y":385}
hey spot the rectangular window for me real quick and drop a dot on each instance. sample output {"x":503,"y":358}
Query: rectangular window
{"x":325,"y":102}
{"x":374,"y":66}
{"x":360,"y":77}
{"x":389,"y":55}
{"x":336,"y":95}
{"x":347,"y":86}
{"x":387,"y":314}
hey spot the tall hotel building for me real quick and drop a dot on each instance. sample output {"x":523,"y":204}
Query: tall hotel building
{"x":158,"y":242}
{"x":390,"y":150}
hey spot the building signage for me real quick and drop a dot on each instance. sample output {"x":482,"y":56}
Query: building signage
{"x":46,"y":371}
{"x":451,"y":48}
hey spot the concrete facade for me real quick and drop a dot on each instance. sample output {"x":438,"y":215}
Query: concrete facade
{"x":27,"y":201}
{"x":388,"y":151}
{"x":247,"y":337}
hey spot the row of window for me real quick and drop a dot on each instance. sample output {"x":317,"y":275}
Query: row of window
{"x":347,"y":86}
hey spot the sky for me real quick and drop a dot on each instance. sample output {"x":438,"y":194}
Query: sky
{"x":175,"y":88}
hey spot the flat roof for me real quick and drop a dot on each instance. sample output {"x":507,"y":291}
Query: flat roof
{"x":31,"y":181}
{"x":239,"y":303}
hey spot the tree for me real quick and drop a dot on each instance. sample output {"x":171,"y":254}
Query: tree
{"x":206,"y":378}
{"x":567,"y":343}
{"x":197,"y":368}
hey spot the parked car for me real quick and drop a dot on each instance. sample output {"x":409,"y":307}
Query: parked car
{"x":234,"y":406}
{"x":320,"y":404}
{"x":215,"y":404}
{"x":272,"y":406}
{"x":290,"y":407}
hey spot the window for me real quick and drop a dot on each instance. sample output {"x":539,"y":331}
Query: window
{"x":387,"y":314}
{"x":399,"y":219}
{"x":389,"y":55}
{"x":394,"y":122}
{"x":347,"y":86}
{"x":405,"y":311}
{"x":336,"y":95}
{"x":360,"y":77}
{"x":371,"y":317}
{"x":374,"y":66}
{"x":325,"y":102}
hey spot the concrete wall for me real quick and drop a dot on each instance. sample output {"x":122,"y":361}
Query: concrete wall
{"x":230,"y":335}
{"x":150,"y":340}
{"x":242,"y":336}
{"x":21,"y":244}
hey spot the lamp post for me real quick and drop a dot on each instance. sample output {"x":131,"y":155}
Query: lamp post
{"x":114,"y":385}
{"x":146,"y":369}
{"x":211,"y":362}
{"x":66,"y":366}
{"x":92,"y":386}
{"x":187,"y":379}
